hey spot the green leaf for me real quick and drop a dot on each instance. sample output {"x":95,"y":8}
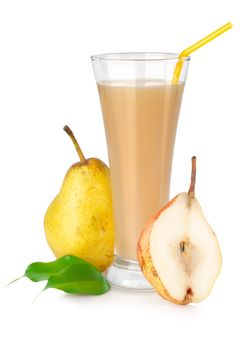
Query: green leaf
{"x":40,"y":271}
{"x":69,"y":274}
{"x":79,"y":279}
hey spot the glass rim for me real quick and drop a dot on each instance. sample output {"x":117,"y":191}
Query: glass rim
{"x":135,"y":57}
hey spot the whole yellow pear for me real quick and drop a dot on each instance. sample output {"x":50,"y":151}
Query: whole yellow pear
{"x":79,"y":221}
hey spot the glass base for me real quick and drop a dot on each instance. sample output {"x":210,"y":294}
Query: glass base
{"x":127,"y":274}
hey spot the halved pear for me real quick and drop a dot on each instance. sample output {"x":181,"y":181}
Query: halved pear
{"x":178,"y":251}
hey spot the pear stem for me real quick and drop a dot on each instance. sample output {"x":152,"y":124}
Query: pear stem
{"x":76,"y":144}
{"x":191,"y":191}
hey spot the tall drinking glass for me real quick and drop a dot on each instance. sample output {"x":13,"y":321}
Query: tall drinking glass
{"x":140,"y":108}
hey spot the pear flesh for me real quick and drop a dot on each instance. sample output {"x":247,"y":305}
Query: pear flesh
{"x":179,"y":252}
{"x":79,"y":221}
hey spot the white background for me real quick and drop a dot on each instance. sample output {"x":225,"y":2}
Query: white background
{"x":46,"y":81}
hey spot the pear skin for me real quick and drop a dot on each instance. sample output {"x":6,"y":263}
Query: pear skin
{"x":79,"y":221}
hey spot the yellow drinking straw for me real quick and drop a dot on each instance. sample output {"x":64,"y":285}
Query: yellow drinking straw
{"x":195,"y":47}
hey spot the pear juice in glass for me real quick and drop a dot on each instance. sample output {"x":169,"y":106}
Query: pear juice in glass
{"x":140,"y":107}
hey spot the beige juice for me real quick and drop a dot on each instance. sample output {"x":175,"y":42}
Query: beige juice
{"x":140,"y":119}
